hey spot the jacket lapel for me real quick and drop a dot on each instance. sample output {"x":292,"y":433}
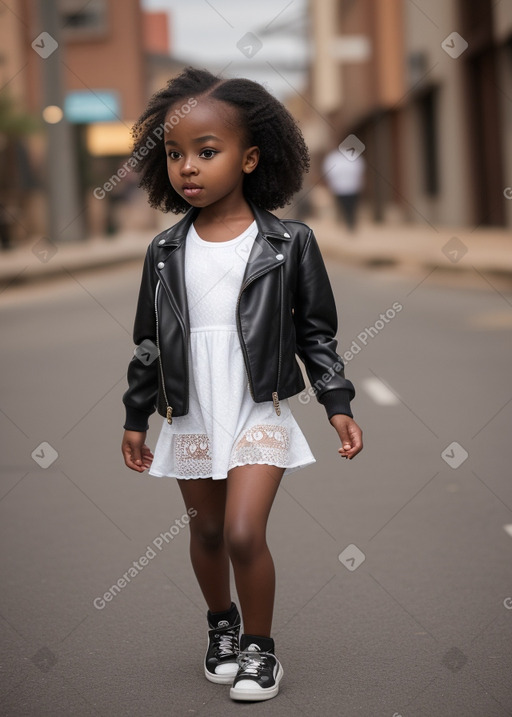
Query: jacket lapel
{"x":264,"y":255}
{"x":172,"y":275}
{"x":263,"y":258}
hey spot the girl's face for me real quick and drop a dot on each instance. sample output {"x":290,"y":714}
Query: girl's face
{"x":207,"y":156}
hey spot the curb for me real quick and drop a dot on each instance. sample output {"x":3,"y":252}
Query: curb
{"x":34,"y":274}
{"x":35,"y":264}
{"x":488,"y":253}
{"x":407,"y":263}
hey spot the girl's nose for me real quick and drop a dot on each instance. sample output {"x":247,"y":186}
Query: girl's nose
{"x":188,"y":167}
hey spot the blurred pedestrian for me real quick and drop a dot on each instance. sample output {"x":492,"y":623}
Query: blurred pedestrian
{"x":229,"y":295}
{"x":344,"y":176}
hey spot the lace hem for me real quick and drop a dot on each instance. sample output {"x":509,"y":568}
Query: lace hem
{"x":263,"y":443}
{"x":192,"y":454}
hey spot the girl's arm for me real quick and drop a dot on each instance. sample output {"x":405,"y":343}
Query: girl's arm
{"x":316,"y":325}
{"x":141,"y":395}
{"x":140,"y":398}
{"x":350,"y":434}
{"x":136,"y":454}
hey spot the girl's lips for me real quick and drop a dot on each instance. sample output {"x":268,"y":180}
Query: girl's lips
{"x":191,"y":191}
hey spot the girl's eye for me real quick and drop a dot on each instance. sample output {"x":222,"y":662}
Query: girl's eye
{"x":173,"y":155}
{"x":208,"y":153}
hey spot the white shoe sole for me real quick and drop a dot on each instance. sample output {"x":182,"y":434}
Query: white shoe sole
{"x":225,"y":679}
{"x":258,"y":695}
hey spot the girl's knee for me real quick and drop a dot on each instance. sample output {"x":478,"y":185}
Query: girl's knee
{"x":210,"y":534}
{"x":244,"y":542}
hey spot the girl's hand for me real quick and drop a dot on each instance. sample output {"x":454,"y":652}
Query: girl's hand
{"x":136,"y":454}
{"x":350,"y":434}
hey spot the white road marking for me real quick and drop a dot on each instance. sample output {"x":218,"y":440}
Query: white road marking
{"x":380,"y":393}
{"x":492,"y":321}
{"x":508,"y":529}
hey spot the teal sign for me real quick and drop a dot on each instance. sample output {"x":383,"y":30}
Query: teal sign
{"x":86,"y":106}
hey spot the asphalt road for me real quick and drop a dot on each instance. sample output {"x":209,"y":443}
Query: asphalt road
{"x":394,"y":570}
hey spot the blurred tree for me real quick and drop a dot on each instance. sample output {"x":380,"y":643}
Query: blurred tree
{"x":15,"y":173}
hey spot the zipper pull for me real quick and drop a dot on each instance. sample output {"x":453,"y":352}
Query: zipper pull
{"x":169,"y":414}
{"x":275,"y":400}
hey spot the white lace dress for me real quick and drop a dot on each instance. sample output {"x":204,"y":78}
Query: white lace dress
{"x":224,"y":427}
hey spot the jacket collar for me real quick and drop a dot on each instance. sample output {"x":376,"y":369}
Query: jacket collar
{"x":264,"y":256}
{"x":268,"y":225}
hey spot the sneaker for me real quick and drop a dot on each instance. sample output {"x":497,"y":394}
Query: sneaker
{"x":220,"y":662}
{"x":258,"y":677}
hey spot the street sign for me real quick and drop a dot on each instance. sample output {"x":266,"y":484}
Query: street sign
{"x":86,"y":106}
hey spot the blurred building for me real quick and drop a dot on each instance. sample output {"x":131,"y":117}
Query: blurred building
{"x":18,"y":144}
{"x":428,"y":91}
{"x":113,"y":56}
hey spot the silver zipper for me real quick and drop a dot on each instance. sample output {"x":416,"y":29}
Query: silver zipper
{"x":168,"y":410}
{"x":242,"y":344}
{"x":275,"y":397}
{"x":244,"y":350}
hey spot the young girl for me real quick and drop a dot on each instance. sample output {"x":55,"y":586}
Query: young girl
{"x":229,"y":296}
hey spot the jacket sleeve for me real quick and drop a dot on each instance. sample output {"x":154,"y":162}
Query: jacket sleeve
{"x":141,"y":397}
{"x":316,"y":324}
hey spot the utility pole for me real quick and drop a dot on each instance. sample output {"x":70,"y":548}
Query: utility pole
{"x":65,"y":212}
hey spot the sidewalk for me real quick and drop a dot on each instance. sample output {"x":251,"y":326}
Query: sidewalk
{"x":409,"y":246}
{"x":487,"y":250}
{"x":39,"y":260}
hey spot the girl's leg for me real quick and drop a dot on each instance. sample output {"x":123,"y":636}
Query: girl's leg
{"x":207,"y":550}
{"x":251,"y":490}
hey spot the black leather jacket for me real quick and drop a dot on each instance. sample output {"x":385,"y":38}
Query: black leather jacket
{"x":285,"y":307}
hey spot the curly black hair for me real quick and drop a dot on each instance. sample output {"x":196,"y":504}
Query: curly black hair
{"x":266,"y":123}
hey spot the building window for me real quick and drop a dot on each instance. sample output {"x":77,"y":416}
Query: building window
{"x":83,"y":20}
